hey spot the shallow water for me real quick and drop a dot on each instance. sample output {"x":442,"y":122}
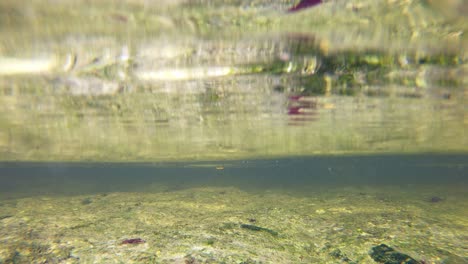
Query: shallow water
{"x":233,"y":132}
{"x":328,"y":209}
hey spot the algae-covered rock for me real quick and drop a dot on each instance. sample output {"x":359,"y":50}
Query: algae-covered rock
{"x":387,"y":255}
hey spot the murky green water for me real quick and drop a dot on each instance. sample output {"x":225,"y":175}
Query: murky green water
{"x":233,"y":131}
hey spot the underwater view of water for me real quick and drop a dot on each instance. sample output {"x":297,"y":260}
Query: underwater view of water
{"x":226,"y":131}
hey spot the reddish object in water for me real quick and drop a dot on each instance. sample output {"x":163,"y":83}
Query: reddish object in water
{"x":304,"y":4}
{"x":132,"y":241}
{"x":301,"y":109}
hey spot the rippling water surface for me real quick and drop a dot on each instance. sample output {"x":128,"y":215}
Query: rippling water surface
{"x":137,"y":81}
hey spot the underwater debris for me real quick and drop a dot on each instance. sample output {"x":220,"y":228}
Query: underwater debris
{"x":132,"y":241}
{"x":387,"y":255}
{"x":435,"y":199}
{"x":304,"y":4}
{"x":258,"y":228}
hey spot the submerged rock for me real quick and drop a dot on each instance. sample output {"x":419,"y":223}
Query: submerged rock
{"x":387,"y":255}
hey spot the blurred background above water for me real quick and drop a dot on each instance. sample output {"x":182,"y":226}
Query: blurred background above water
{"x":143,"y":80}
